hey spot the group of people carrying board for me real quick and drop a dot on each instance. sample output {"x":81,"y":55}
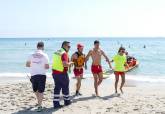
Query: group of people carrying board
{"x":38,"y":62}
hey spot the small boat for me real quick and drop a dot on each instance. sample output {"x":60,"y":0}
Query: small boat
{"x":109,"y":71}
{"x":132,"y":67}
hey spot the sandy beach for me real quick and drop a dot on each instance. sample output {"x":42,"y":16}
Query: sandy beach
{"x":99,"y":40}
{"x":141,"y":98}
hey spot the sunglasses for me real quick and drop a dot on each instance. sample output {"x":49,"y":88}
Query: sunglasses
{"x":69,"y":47}
{"x":123,"y":51}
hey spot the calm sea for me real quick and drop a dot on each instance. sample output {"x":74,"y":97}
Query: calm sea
{"x":14,"y":52}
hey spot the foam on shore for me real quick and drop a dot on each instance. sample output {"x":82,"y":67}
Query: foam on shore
{"x":139,"y":78}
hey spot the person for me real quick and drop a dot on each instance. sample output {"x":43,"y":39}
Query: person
{"x":59,"y":71}
{"x":131,"y":61}
{"x":79,"y":61}
{"x":38,"y":62}
{"x":96,"y":53}
{"x":144,"y":46}
{"x":120,"y":62}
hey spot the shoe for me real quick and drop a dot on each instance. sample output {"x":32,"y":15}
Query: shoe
{"x":57,"y":107}
{"x":79,"y":94}
{"x":67,"y":103}
{"x":39,"y":109}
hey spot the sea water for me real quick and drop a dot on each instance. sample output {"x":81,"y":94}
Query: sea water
{"x":149,"y":52}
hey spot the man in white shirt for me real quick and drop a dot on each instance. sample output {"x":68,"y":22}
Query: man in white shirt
{"x":38,"y":62}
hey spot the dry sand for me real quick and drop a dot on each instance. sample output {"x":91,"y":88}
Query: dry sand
{"x":145,"y":98}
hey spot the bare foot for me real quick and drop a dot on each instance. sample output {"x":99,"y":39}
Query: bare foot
{"x":116,"y":91}
{"x":97,"y":95}
{"x":121,"y":90}
{"x":96,"y":92}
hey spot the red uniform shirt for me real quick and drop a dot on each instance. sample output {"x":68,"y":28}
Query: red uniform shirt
{"x":64,"y":58}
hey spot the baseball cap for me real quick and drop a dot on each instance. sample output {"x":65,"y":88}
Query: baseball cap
{"x":79,"y":46}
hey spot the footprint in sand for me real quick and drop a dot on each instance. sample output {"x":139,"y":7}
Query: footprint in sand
{"x":109,"y":109}
{"x":150,"y":106}
{"x":135,"y":109}
{"x":159,"y":112}
{"x":4,"y":105}
{"x":126,"y":112}
{"x":117,"y":110}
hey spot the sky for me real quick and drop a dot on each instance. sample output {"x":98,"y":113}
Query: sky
{"x":82,"y":18}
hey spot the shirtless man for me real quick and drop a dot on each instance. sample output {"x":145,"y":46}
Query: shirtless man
{"x":96,"y":67}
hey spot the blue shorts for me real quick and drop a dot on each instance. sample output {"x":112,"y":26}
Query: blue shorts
{"x":38,"y":83}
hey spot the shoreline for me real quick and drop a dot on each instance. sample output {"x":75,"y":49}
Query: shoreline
{"x":8,"y":78}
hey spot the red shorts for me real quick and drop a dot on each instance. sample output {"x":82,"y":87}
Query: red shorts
{"x":78,"y":72}
{"x":96,"y":69}
{"x":117,"y":73}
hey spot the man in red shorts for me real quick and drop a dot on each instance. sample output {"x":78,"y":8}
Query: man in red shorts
{"x":96,"y":53}
{"x":79,"y":60}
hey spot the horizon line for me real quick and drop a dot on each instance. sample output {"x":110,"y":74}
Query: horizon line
{"x":88,"y":37}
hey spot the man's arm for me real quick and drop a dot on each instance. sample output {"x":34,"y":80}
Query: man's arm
{"x":67,"y":64}
{"x":72,"y":60}
{"x":85,"y":64}
{"x":28,"y":64}
{"x":105,"y":56}
{"x":113,"y":59}
{"x":65,"y":61}
{"x":88,"y":55}
{"x":87,"y":58}
{"x":107,"y":59}
{"x":46,"y":66}
{"x":46,"y":62}
{"x":126,"y":65}
{"x":74,"y":56}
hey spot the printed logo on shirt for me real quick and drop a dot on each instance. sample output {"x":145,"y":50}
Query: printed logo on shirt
{"x":37,"y":55}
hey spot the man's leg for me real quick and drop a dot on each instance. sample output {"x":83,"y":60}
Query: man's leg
{"x":100,"y":75}
{"x":41,"y":88}
{"x":116,"y":81}
{"x":40,"y":98}
{"x":57,"y":89}
{"x":78,"y":84}
{"x":36,"y":93}
{"x":123,"y":82}
{"x":95,"y":83}
{"x":35,"y":87}
{"x":65,"y":89}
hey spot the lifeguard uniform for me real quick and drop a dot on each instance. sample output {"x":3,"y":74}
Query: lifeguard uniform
{"x":119,"y":61}
{"x":60,"y":77}
{"x":96,"y":69}
{"x":78,"y":64}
